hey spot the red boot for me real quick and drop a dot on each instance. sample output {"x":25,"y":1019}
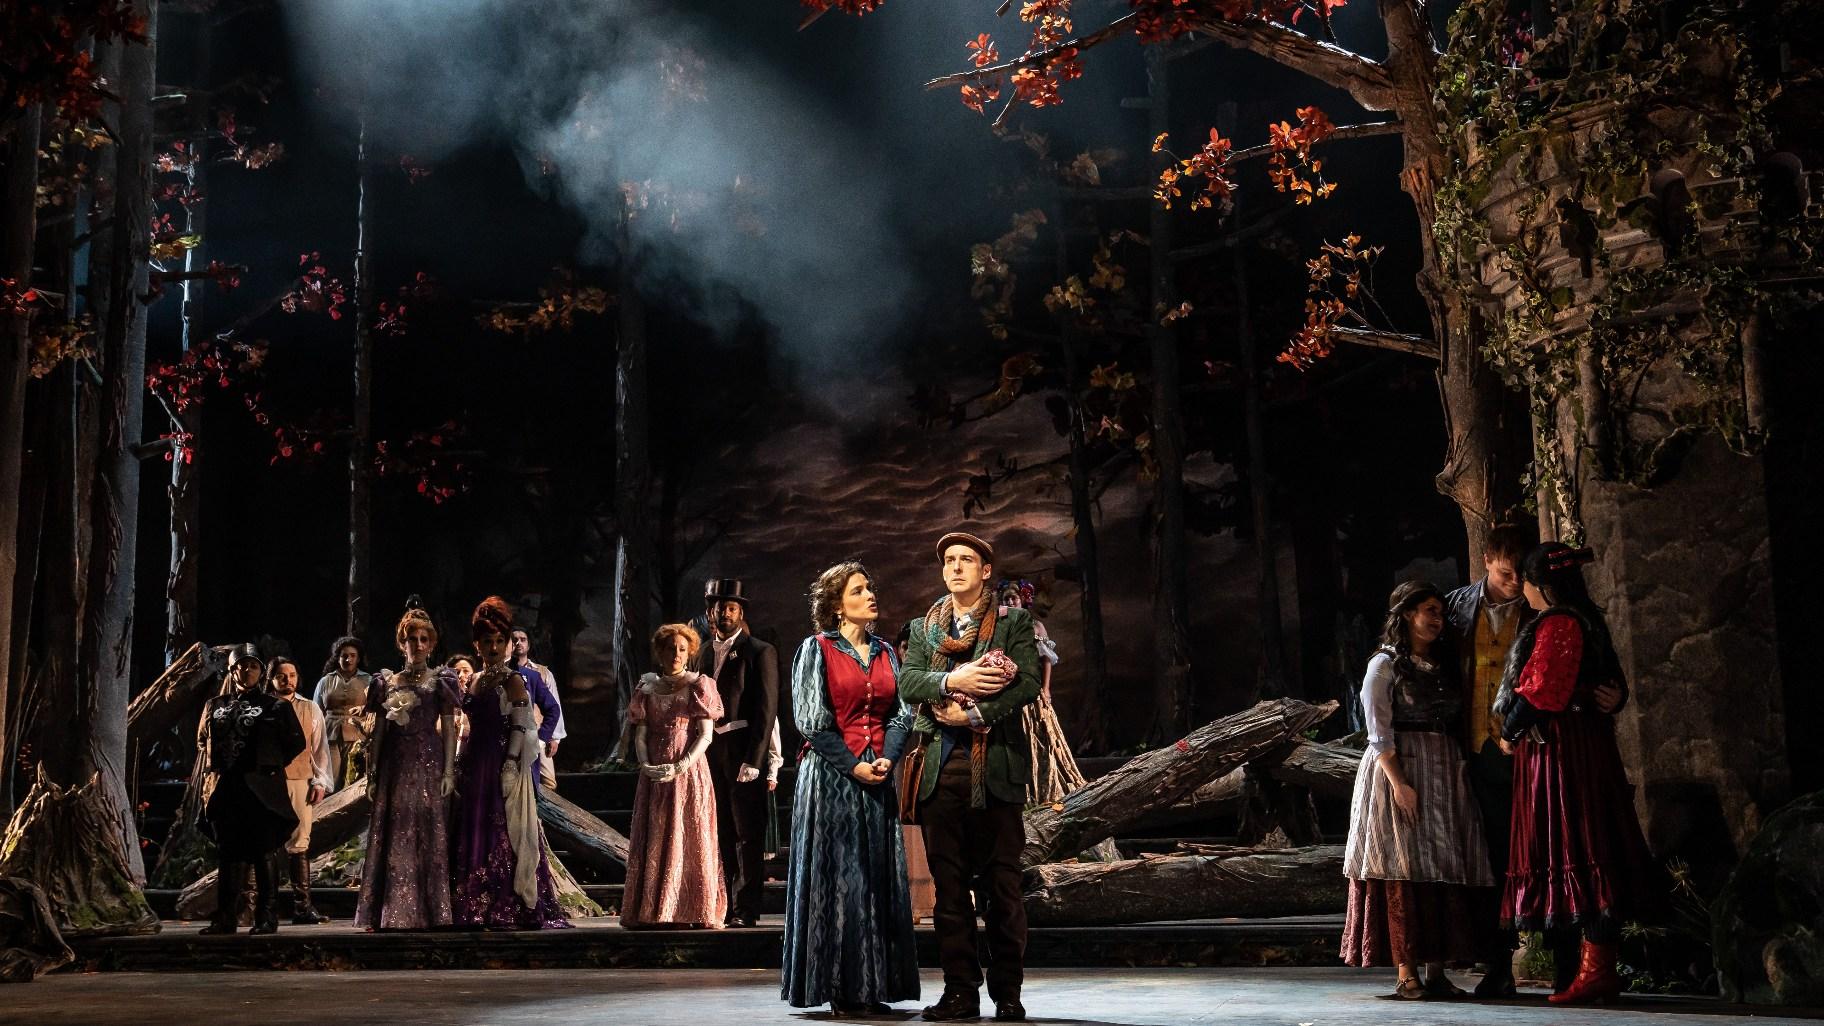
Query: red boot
{"x":1596,"y":980}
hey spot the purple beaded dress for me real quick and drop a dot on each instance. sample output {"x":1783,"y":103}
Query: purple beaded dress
{"x":482,"y":870}
{"x":405,"y":882}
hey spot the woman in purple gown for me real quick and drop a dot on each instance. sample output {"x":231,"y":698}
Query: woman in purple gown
{"x":501,"y":874}
{"x":405,"y":882}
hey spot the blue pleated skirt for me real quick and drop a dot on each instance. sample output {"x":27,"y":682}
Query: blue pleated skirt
{"x":848,"y":914}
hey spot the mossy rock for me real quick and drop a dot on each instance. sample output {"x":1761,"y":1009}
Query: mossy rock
{"x":1769,"y":918}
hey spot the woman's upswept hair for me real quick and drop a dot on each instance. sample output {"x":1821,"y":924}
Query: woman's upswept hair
{"x":1556,"y":570}
{"x":826,"y":593}
{"x":415,"y":616}
{"x":491,"y":617}
{"x":661,"y":642}
{"x":335,"y":651}
{"x":1406,"y":598}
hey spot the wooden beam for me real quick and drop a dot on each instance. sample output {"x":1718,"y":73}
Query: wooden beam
{"x":1375,"y":339}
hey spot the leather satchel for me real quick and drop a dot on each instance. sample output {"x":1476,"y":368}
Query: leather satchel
{"x":912,"y":772}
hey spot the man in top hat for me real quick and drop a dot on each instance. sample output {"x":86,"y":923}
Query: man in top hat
{"x":746,"y":671}
{"x":976,"y":765}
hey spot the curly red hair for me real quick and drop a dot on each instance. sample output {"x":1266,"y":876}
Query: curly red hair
{"x":491,"y":617}
{"x":661,"y":642}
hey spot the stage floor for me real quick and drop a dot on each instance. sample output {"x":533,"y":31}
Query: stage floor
{"x":692,"y":997}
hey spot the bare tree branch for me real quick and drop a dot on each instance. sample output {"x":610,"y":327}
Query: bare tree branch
{"x":1375,"y":339}
{"x":1081,"y":43}
{"x":1364,"y":131}
{"x":1367,"y":82}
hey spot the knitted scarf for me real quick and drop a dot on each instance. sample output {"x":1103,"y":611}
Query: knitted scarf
{"x":947,"y":651}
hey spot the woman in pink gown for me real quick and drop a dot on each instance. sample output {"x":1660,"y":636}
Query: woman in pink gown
{"x":674,"y":872}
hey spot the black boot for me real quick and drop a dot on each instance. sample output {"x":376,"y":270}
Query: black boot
{"x":955,"y":1004}
{"x":303,"y":913}
{"x":226,"y":918}
{"x":265,"y":892}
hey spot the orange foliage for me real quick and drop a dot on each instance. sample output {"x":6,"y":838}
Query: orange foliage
{"x":1292,"y":153}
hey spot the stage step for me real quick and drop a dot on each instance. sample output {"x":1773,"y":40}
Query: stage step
{"x":601,"y":943}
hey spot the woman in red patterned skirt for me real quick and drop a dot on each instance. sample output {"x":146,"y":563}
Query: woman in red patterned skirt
{"x":1577,"y":857}
{"x":1420,"y":887}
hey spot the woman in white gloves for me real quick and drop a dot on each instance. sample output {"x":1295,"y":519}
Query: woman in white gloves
{"x":674,"y":872}
{"x":405,"y":883}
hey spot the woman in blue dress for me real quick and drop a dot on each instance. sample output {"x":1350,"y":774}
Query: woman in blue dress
{"x":848,"y":916}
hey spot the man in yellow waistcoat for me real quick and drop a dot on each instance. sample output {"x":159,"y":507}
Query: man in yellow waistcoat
{"x":1486,"y":616}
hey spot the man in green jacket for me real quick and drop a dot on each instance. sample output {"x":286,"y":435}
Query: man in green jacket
{"x":977,"y":760}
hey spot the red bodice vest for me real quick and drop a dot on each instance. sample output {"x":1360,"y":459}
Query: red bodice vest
{"x":862,"y":701}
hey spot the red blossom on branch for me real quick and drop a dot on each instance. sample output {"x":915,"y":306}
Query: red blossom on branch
{"x":1210,"y":164}
{"x":317,"y":291}
{"x":425,"y":459}
{"x":415,"y":172}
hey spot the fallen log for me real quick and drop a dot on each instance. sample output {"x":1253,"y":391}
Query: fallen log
{"x":1326,"y":770}
{"x":176,"y":697}
{"x":586,"y":840}
{"x":1242,"y":882}
{"x":1159,"y":778}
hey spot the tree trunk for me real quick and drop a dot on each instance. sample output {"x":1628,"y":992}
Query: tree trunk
{"x":1158,"y":778}
{"x":1093,"y":735}
{"x":185,"y":512}
{"x":67,"y":841}
{"x":585,"y":839}
{"x":1171,"y":607}
{"x":360,"y":443}
{"x":632,"y":484}
{"x":18,"y":229}
{"x":105,"y":663}
{"x":1274,"y":680}
{"x":1481,"y":421}
{"x":1238,"y":883}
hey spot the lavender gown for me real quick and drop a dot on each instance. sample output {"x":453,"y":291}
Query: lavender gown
{"x":405,"y":882}
{"x":482,"y":873}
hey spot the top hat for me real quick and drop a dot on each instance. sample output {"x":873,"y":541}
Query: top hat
{"x":724,"y":589}
{"x":982,"y":548}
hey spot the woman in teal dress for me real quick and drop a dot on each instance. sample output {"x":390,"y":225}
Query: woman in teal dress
{"x":848,"y":917}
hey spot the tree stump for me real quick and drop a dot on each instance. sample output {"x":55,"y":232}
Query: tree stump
{"x":1218,"y":883}
{"x":30,"y":945}
{"x":1161,"y":777}
{"x":68,"y":842}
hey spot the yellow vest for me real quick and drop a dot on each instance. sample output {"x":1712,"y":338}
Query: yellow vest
{"x":1489,"y":660}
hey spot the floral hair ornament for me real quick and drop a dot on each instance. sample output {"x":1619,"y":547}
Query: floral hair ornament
{"x":1564,"y":559}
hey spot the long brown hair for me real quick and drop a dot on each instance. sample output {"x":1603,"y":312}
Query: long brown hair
{"x":1396,"y":637}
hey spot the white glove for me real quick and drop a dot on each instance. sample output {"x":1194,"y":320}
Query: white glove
{"x":746,"y":774}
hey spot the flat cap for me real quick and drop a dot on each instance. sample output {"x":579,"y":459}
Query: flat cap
{"x":982,"y":548}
